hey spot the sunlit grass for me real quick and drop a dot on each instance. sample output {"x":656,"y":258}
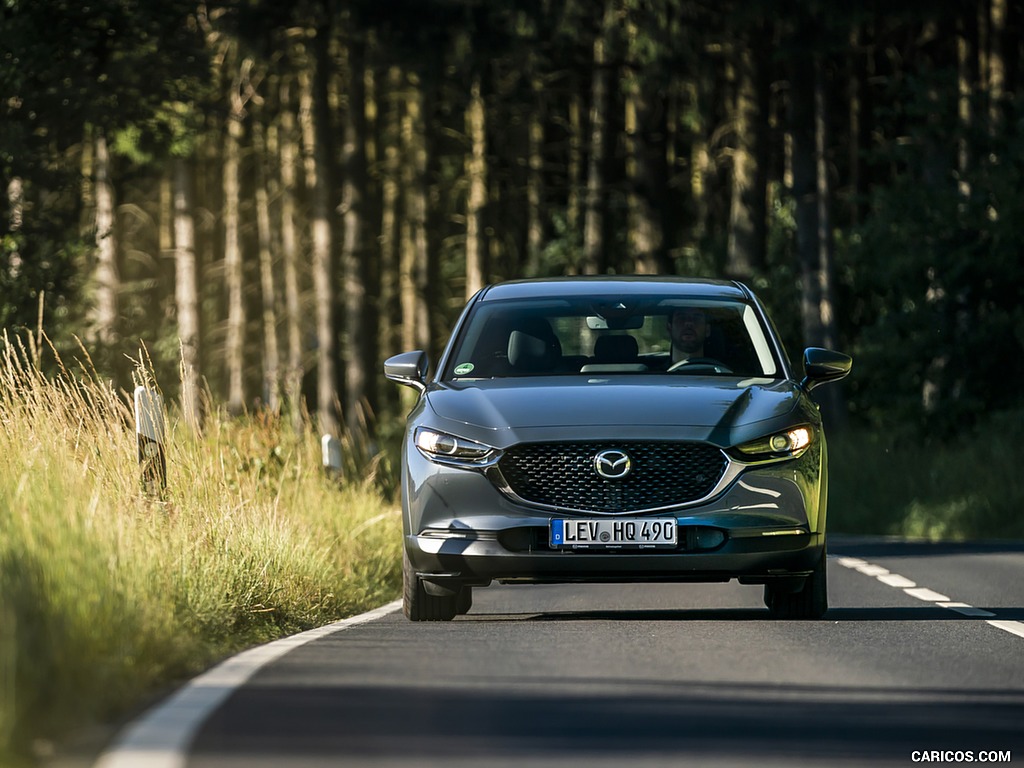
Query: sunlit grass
{"x":108,"y":595}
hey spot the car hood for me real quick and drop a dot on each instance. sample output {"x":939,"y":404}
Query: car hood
{"x":703,"y":405}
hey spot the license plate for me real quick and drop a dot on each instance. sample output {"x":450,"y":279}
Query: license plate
{"x":614,"y":533}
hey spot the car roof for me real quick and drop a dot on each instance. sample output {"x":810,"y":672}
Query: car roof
{"x":614,"y":285}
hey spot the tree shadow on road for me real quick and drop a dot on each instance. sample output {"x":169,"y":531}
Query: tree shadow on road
{"x":867,"y":614}
{"x":568,"y":722}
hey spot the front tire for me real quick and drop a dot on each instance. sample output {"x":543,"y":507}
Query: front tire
{"x":809,"y":602}
{"x":417,"y":605}
{"x":464,"y":601}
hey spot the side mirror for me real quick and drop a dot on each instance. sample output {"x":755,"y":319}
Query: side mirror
{"x":823,"y":365}
{"x":408,"y":368}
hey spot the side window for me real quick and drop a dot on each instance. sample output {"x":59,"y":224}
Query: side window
{"x":483,"y":352}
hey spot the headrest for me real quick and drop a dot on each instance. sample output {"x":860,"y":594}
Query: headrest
{"x":528,"y":352}
{"x":616,"y":349}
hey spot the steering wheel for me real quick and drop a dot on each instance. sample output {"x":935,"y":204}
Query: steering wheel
{"x":701,"y":362}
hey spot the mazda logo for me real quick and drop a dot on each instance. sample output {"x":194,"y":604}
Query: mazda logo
{"x":613,"y":464}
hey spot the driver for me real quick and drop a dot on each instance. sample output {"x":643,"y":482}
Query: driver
{"x":689,"y":329}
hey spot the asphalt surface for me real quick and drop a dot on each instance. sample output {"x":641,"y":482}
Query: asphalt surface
{"x":662,"y":675}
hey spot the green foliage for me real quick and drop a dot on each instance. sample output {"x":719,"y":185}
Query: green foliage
{"x":937,"y":287}
{"x":128,"y":143}
{"x":98,"y":63}
{"x":563,"y":252}
{"x":898,"y":485}
{"x":66,"y":68}
{"x":37,"y":270}
{"x":779,"y":285}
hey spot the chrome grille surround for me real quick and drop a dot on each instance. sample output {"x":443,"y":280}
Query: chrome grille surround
{"x":561,"y":476}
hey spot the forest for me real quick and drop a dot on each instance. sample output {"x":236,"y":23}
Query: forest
{"x":267,"y":199}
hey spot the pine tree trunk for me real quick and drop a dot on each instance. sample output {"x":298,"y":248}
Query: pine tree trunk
{"x":574,"y":171}
{"x":802,"y":142}
{"x":967,"y":76}
{"x":535,"y":180}
{"x":413,"y":250}
{"x":417,"y":319}
{"x":826,"y":289}
{"x":476,"y":174}
{"x":593,"y":227}
{"x":645,"y":237}
{"x":317,"y":163}
{"x":288,"y":156}
{"x":186,"y":293}
{"x":743,"y":252}
{"x":700,"y":165}
{"x":233,"y":278}
{"x":108,"y":282}
{"x":831,"y":398}
{"x":165,"y":220}
{"x":268,"y":281}
{"x":856,"y":126}
{"x":353,"y":251}
{"x":371,"y":262}
{"x":391,"y":341}
{"x":996,"y":64}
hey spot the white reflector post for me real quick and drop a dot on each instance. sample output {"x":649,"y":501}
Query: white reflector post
{"x":331,"y":448}
{"x":149,"y":432}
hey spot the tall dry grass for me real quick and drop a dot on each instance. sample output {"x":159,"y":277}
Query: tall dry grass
{"x":108,"y":595}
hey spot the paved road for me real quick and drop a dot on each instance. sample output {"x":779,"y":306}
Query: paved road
{"x":923,"y":650}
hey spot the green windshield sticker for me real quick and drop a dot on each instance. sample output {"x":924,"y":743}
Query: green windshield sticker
{"x":463,"y":368}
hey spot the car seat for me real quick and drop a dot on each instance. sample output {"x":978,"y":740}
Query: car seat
{"x":616,"y":349}
{"x":533,"y":347}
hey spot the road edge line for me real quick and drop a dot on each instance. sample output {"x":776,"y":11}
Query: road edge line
{"x":890,"y":579}
{"x":161,"y":736}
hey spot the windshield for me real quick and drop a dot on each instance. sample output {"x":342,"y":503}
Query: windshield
{"x":599,"y":334}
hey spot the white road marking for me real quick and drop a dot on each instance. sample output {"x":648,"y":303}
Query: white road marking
{"x":1013,"y":627}
{"x":895,"y":580}
{"x":872,"y":570}
{"x":161,"y":737}
{"x":923,"y":593}
{"x":851,"y":562}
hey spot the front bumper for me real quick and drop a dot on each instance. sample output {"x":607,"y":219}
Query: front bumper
{"x":767,"y":525}
{"x":752,"y":560}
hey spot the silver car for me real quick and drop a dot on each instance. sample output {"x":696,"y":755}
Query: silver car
{"x":614,"y":430}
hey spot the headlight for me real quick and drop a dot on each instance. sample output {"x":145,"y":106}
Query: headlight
{"x":782,"y":445}
{"x":456,"y":451}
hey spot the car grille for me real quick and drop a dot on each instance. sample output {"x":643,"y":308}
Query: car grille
{"x":563,"y":475}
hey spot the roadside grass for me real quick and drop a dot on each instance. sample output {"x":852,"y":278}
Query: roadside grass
{"x":108,"y":597}
{"x":968,"y":488}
